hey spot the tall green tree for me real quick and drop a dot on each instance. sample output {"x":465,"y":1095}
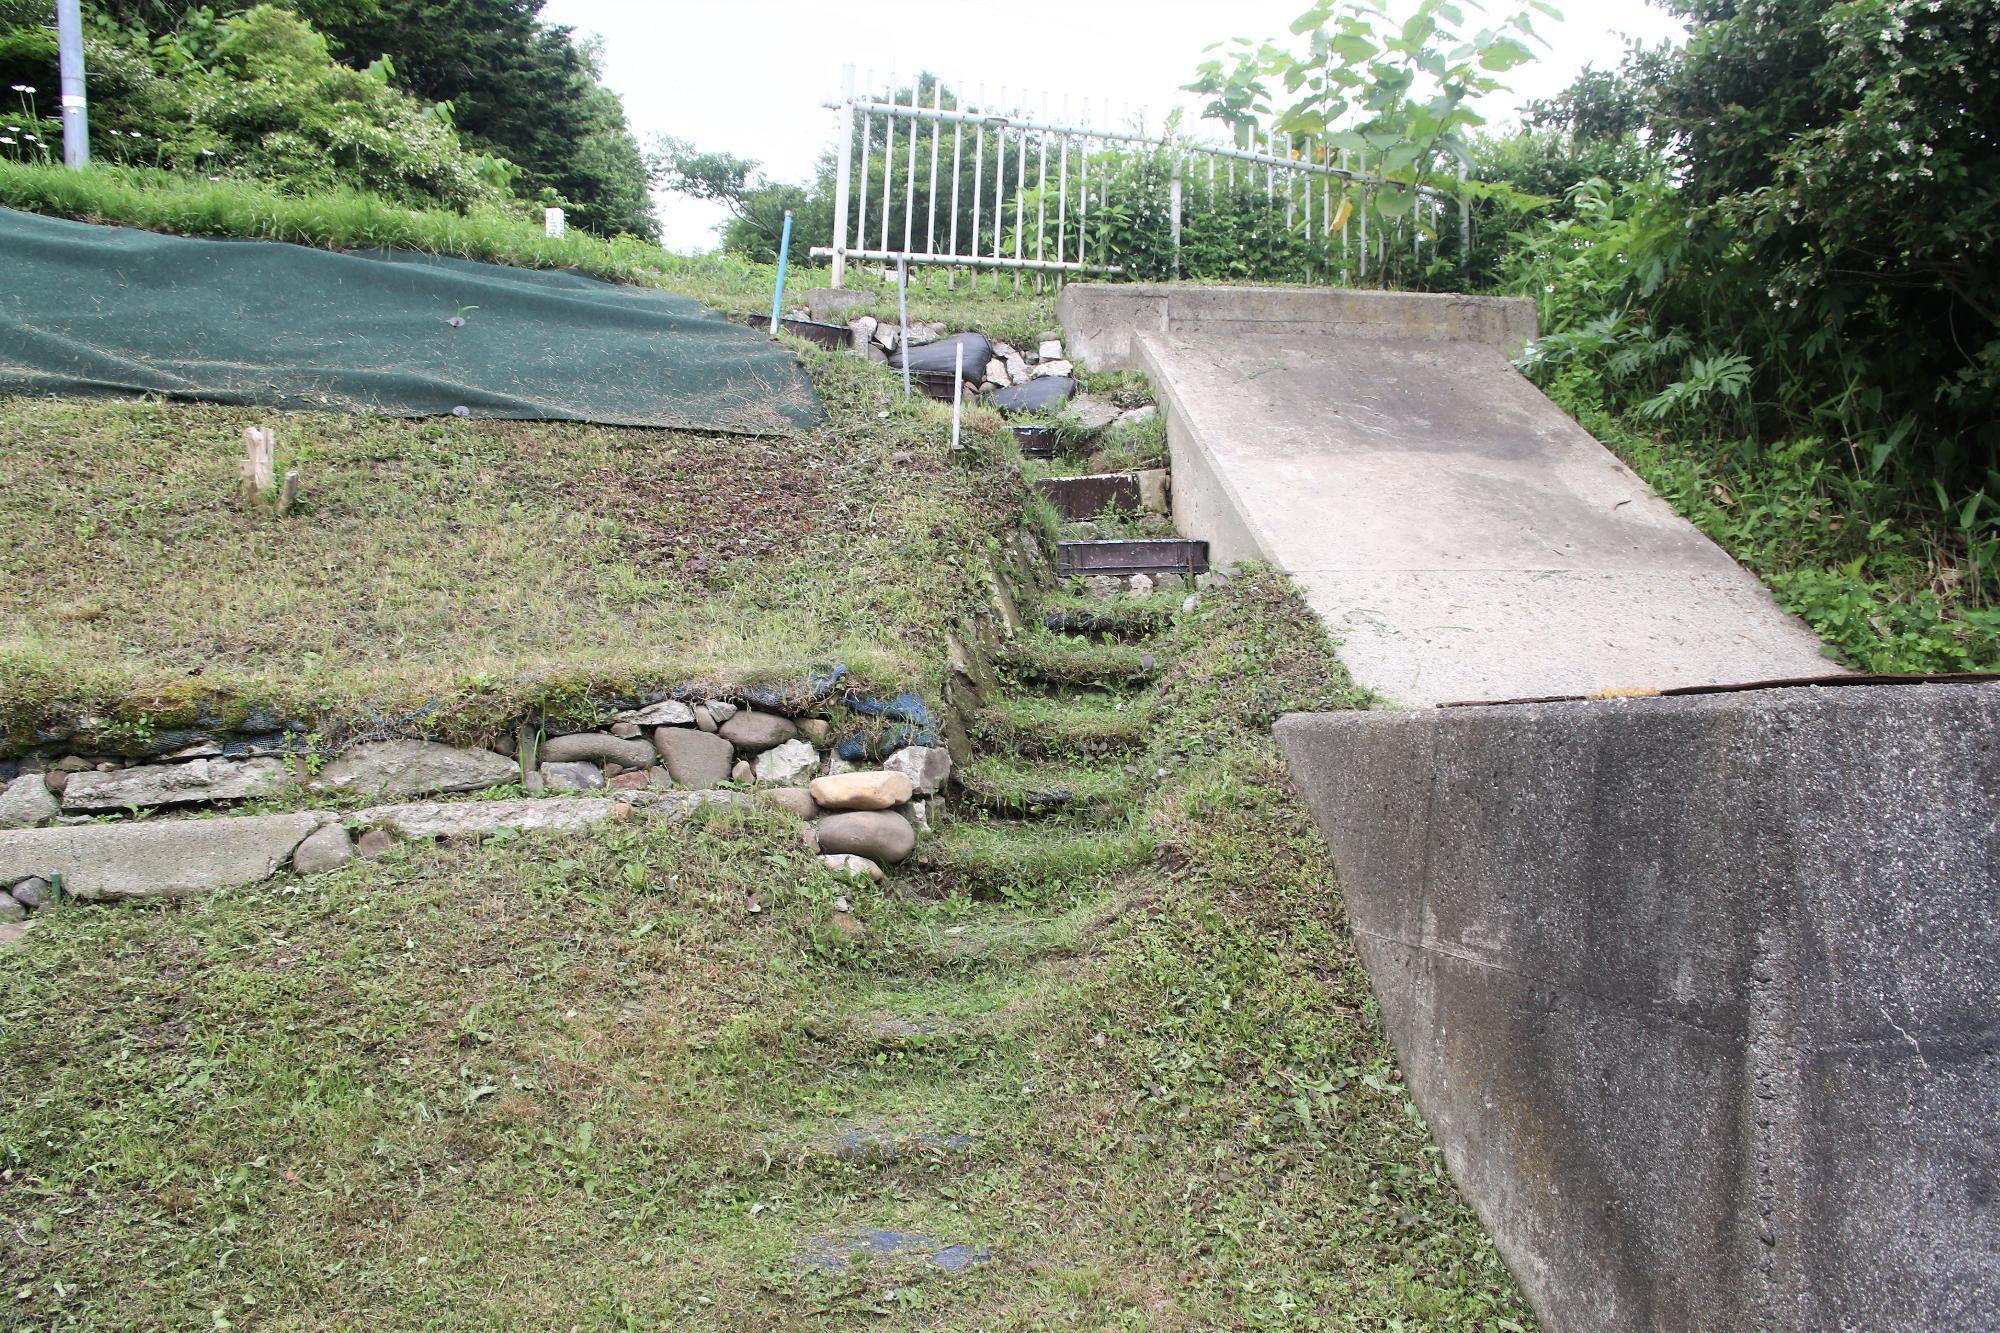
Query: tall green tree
{"x":520,"y":87}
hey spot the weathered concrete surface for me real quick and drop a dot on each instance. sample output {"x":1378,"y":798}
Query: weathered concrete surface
{"x":1701,"y":995}
{"x":1460,"y":535}
{"x":1102,"y":322}
{"x":157,"y":858}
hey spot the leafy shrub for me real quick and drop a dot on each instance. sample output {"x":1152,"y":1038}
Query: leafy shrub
{"x":258,"y":96}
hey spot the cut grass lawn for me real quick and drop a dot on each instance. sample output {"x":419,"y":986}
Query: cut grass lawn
{"x":467,"y":564}
{"x":574,"y":1082}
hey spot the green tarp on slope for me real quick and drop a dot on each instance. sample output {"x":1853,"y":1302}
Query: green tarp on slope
{"x":97,"y":310}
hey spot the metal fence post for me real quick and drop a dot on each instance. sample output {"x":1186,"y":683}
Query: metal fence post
{"x":843,"y":183}
{"x":75,"y":113}
{"x":1174,"y":207}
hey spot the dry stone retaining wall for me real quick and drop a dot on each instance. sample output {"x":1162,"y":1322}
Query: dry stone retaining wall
{"x":662,"y":757}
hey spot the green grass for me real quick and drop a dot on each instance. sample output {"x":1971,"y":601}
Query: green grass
{"x":1052,"y":659}
{"x":470,"y":565}
{"x":187,"y":205}
{"x":1076,"y":725}
{"x":1010,"y":784}
{"x":571,"y":1082}
{"x":351,"y":220}
{"x":1887,"y":587}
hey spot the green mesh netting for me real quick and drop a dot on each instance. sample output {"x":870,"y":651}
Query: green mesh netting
{"x":97,"y":310}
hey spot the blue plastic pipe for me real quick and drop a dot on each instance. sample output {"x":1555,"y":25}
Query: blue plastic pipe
{"x":784,"y":250}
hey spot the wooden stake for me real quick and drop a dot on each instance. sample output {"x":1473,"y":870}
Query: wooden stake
{"x":259,"y":484}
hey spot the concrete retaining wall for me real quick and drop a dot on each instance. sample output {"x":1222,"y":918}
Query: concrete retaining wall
{"x":1701,"y":995}
{"x":1101,"y":322}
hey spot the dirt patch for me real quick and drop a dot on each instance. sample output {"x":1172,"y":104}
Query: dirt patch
{"x":710,"y":502}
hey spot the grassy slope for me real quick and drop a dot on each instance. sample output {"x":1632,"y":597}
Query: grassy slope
{"x":455,"y":560}
{"x":572,"y":1081}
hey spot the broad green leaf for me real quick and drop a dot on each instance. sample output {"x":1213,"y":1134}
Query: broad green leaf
{"x":1353,"y":48}
{"x":1504,"y":54}
{"x":1393,"y":201}
{"x":1312,"y":18}
{"x":1301,"y":121}
{"x":1401,"y":157}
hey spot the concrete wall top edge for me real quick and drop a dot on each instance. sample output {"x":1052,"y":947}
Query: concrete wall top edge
{"x":1792,"y":698}
{"x":1100,"y":319}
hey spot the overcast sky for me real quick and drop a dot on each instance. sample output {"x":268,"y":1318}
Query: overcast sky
{"x":749,"y":76}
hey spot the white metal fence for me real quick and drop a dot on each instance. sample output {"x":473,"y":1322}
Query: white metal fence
{"x":1021,"y":187}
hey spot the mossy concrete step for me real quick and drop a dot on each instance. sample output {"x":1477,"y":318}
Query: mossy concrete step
{"x":1103,"y":618}
{"x":1029,"y":860}
{"x":1009,"y":785}
{"x":1077,"y":725}
{"x":1052,"y":661}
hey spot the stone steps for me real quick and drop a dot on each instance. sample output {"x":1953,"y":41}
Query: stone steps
{"x":1055,"y":663}
{"x":1040,"y":813}
{"x":1079,"y":725}
{"x":1029,"y":789}
{"x":1121,"y":617}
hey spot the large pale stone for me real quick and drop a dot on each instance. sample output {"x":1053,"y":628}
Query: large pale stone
{"x":928,"y":767}
{"x":791,"y":764}
{"x":1092,"y":413}
{"x":598,"y":747}
{"x":752,"y":731}
{"x":157,"y":857}
{"x":412,"y":768}
{"x":857,"y":867}
{"x":666,"y":713}
{"x":795,"y":800}
{"x":867,"y":790}
{"x":328,"y":848}
{"x":473,"y":819}
{"x":881,"y":837}
{"x":574,"y":775}
{"x":26,"y":802}
{"x":172,"y":784}
{"x":694,"y":758}
{"x":1153,"y":490}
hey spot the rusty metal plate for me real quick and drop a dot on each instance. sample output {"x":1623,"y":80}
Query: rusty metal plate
{"x":1157,"y":555}
{"x":833,"y":336}
{"x":1035,"y":441}
{"x":1079,"y":498}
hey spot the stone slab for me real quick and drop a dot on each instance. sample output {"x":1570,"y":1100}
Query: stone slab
{"x":1700,"y":995}
{"x":476,"y":819}
{"x":157,"y":858}
{"x":190,"y":783}
{"x":1461,"y":535}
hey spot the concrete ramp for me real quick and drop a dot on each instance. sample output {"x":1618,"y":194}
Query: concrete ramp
{"x":1456,"y":530}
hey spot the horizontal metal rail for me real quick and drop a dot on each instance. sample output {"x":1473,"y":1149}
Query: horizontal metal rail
{"x":970,"y":261}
